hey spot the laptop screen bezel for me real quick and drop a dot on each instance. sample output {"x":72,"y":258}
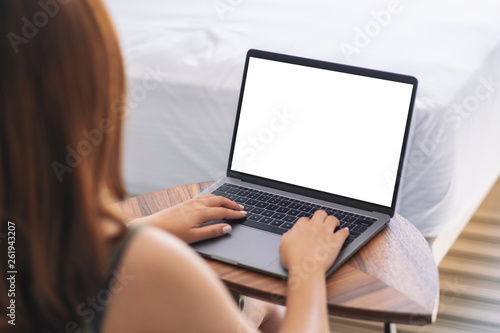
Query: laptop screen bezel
{"x":334,"y":198}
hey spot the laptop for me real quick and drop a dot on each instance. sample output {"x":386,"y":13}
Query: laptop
{"x":311,"y":135}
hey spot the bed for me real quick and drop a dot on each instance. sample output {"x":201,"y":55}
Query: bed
{"x":184,"y":62}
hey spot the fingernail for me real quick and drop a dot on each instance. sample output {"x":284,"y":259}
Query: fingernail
{"x":244,"y":212}
{"x":241,"y":207}
{"x":227,"y":229}
{"x":346,"y":228}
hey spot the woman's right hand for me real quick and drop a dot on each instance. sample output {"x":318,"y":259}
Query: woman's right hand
{"x":307,"y":251}
{"x":312,"y":244}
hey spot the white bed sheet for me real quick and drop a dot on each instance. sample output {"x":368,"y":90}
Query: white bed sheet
{"x":184,"y":62}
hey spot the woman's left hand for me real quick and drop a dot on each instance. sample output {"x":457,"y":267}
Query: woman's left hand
{"x":184,"y":220}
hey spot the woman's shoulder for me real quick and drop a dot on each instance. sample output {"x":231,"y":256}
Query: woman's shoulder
{"x":152,"y":257}
{"x":137,"y":282}
{"x":159,"y":277}
{"x":150,"y":246}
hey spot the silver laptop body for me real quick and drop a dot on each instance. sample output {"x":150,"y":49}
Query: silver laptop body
{"x":311,"y":135}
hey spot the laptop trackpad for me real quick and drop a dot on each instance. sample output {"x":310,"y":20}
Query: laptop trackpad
{"x":243,"y":246}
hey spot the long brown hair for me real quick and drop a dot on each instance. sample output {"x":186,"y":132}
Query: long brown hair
{"x":62,"y":92}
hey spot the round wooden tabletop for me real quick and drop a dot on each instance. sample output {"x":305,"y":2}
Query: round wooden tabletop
{"x":391,"y":279}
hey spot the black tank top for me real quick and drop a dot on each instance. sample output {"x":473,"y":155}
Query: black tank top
{"x":96,"y":324}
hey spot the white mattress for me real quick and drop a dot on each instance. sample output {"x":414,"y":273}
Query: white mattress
{"x":181,"y":117}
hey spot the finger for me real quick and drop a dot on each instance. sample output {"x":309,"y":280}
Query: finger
{"x":332,"y":219}
{"x":217,"y":201}
{"x":342,"y":234}
{"x":210,"y":231}
{"x":319,"y":215}
{"x":217,"y":213}
{"x":301,"y":220}
{"x":332,"y":222}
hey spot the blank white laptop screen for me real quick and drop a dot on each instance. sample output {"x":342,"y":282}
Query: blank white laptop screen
{"x":329,"y":131}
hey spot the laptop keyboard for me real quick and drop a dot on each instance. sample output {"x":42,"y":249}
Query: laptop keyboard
{"x":278,"y":214}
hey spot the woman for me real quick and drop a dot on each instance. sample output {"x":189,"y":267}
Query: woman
{"x":79,"y":269}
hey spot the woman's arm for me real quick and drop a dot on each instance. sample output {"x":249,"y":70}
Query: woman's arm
{"x":306,"y":304}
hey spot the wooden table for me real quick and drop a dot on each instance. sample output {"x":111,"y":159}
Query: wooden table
{"x":393,"y":279}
